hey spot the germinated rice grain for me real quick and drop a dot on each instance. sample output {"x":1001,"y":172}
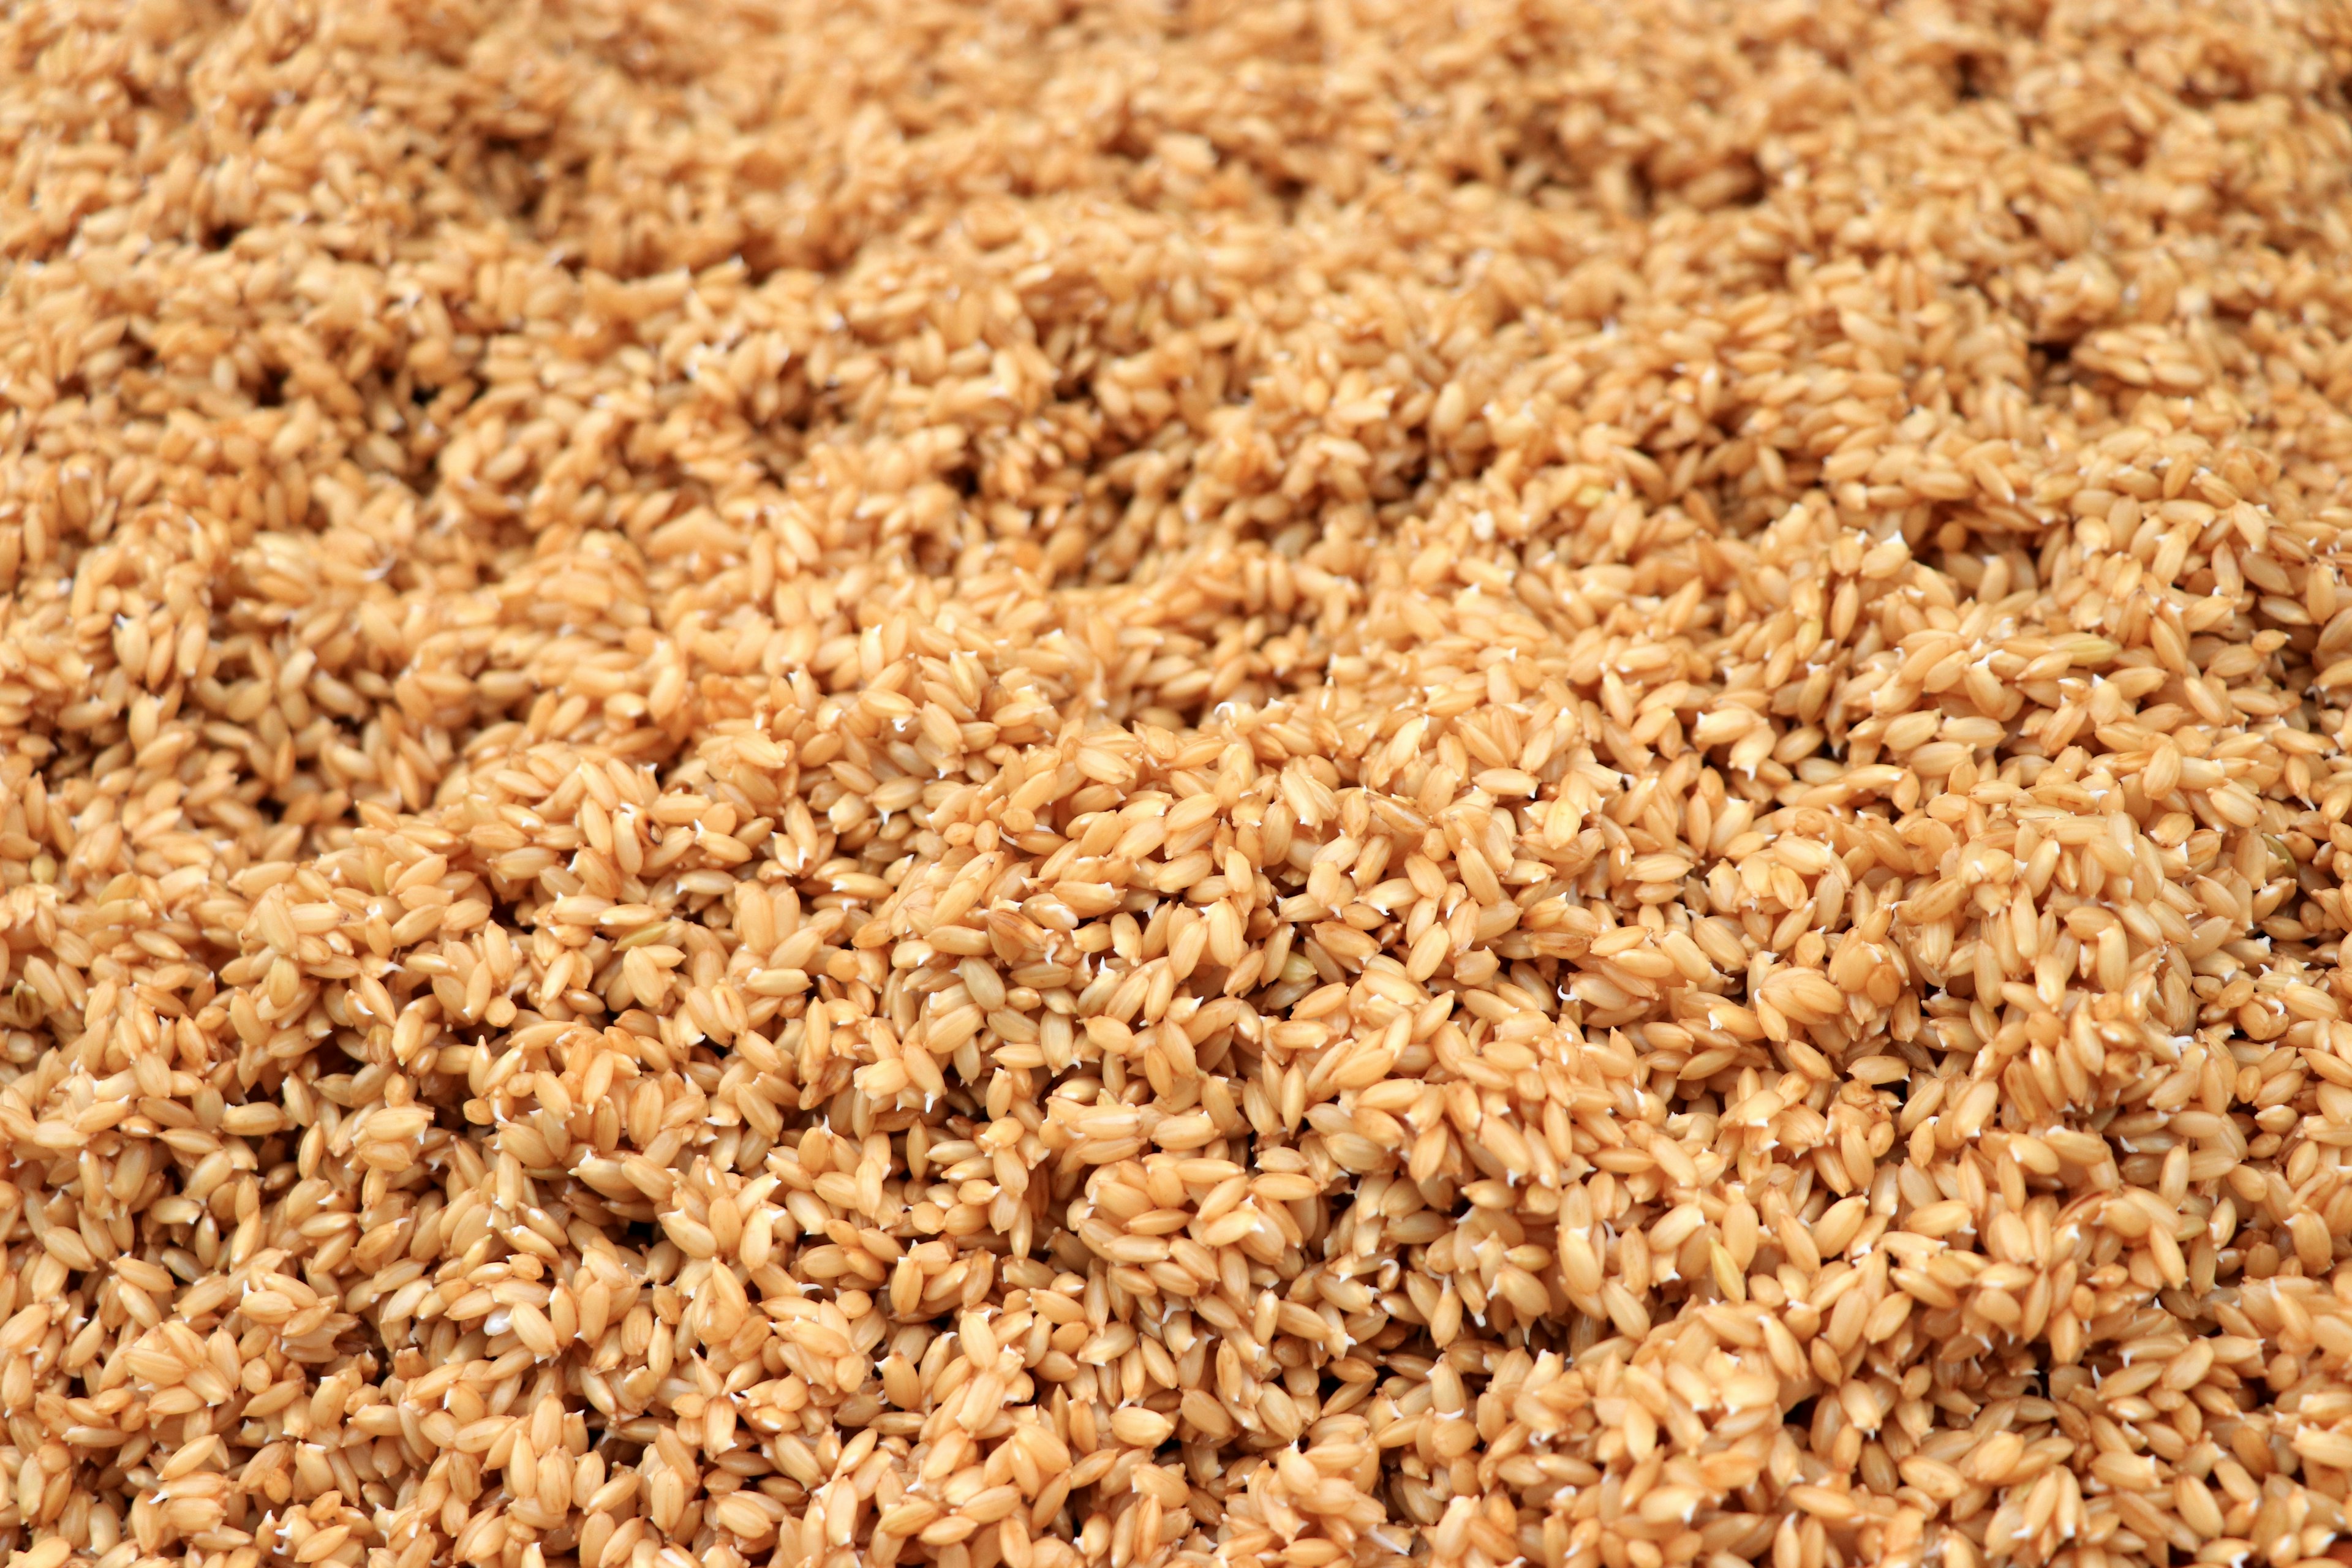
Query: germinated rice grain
{"x":1131,"y":784}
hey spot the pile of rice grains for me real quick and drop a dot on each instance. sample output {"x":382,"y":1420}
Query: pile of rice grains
{"x":1250,"y":782}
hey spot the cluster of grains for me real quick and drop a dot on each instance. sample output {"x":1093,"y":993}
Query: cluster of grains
{"x":1517,"y":781}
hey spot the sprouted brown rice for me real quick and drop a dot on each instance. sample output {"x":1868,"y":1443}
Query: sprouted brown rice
{"x":1237,"y":782}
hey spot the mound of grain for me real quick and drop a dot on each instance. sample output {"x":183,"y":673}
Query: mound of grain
{"x":1237,"y":783}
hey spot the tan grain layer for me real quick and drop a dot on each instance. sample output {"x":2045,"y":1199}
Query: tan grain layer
{"x":1228,"y":783}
